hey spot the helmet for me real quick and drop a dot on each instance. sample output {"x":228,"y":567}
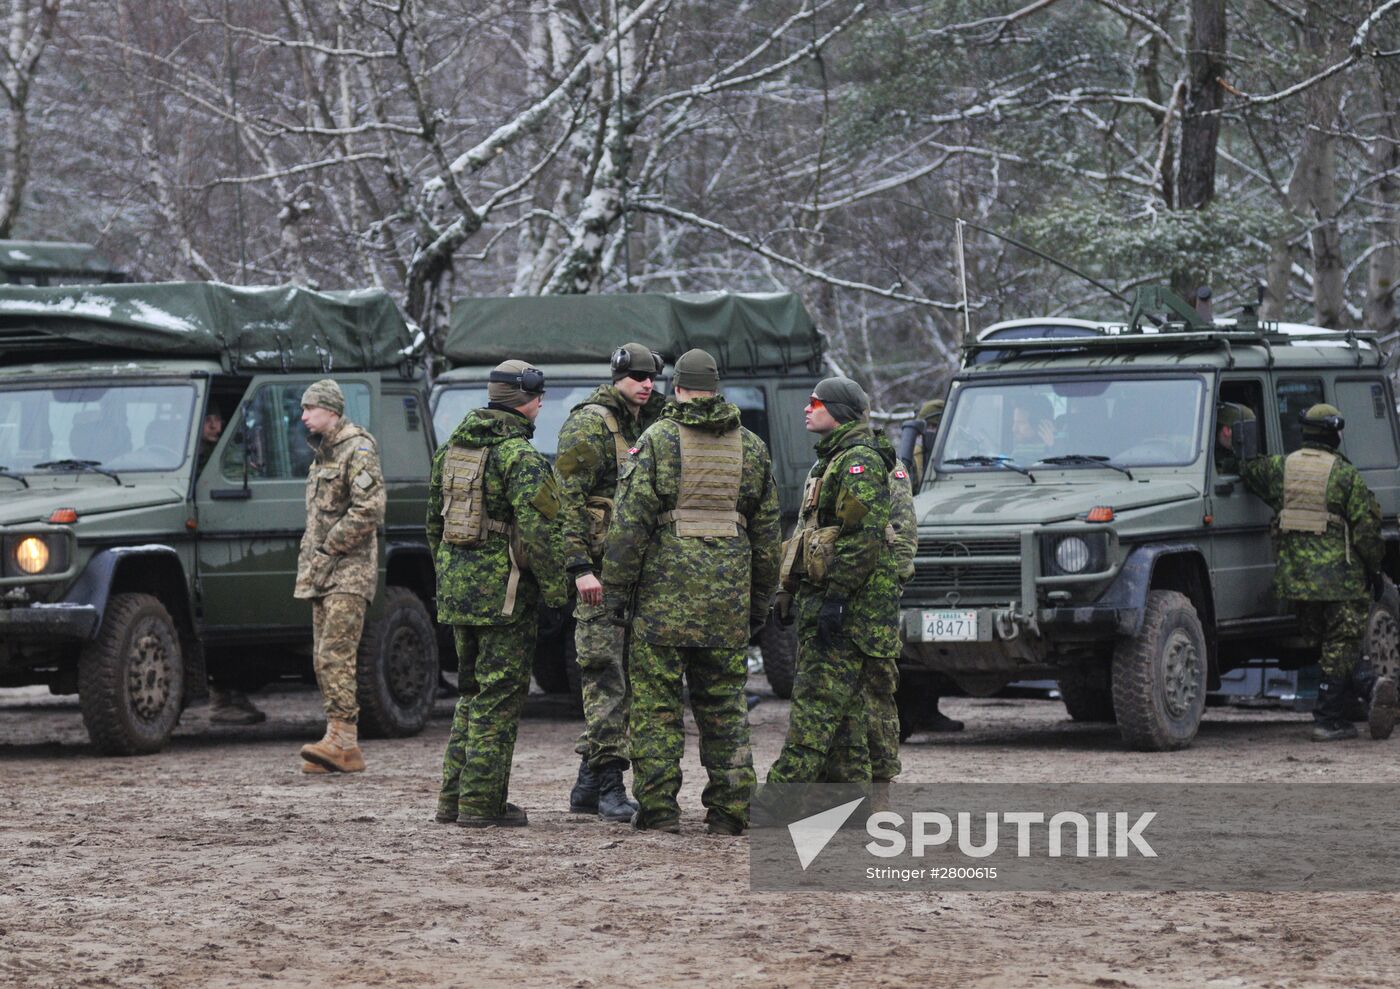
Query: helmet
{"x":1323,"y":417}
{"x":1232,"y":412}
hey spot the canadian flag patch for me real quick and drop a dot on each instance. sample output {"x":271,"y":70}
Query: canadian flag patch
{"x":857,"y":468}
{"x":900,"y":474}
{"x":633,"y":450}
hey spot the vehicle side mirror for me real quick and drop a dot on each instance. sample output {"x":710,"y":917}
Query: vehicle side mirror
{"x":1244,"y":440}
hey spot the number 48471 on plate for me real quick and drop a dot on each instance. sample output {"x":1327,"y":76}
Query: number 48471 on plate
{"x":950,"y":626}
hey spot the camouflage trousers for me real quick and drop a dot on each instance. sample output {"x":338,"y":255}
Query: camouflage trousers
{"x":882,"y":716}
{"x":336,"y":623}
{"x":493,"y":677}
{"x":827,"y":740}
{"x":602,"y":665}
{"x":716,"y":678}
{"x":1338,"y":627}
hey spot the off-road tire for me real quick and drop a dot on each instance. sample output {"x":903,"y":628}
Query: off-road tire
{"x":397,"y":668}
{"x":779,"y":645}
{"x":1382,"y":640}
{"x":1159,"y":676}
{"x":1088,"y":695}
{"x":131,"y":678}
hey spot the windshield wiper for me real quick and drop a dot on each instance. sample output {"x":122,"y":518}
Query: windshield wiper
{"x":69,"y":464}
{"x":6,"y":472}
{"x":981,"y":460}
{"x":1086,"y":458}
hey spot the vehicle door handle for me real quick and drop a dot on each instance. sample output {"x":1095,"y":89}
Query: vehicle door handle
{"x":1225,"y":487}
{"x":230,"y":494}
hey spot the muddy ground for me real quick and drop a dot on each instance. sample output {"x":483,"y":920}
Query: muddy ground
{"x":216,"y":863}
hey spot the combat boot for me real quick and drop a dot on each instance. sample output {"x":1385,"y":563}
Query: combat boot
{"x":1329,"y":717}
{"x":670,"y":825}
{"x":938,"y":721}
{"x":311,"y":769}
{"x":613,"y":804}
{"x":583,"y":798}
{"x":511,"y":817}
{"x":232,"y":707}
{"x":1381,"y":718}
{"x":339,"y":750}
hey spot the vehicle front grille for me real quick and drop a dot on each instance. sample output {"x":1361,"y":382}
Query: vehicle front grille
{"x":974,"y":568}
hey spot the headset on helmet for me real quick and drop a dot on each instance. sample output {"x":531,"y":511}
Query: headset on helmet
{"x":1336,"y":423}
{"x":530,"y":380}
{"x":622,"y":362}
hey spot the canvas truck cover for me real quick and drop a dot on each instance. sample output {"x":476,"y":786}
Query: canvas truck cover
{"x":742,"y":331}
{"x":281,"y":328}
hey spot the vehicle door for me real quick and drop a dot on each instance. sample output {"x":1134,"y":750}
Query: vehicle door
{"x":1369,"y":439}
{"x":250,"y":500}
{"x":1242,"y":552}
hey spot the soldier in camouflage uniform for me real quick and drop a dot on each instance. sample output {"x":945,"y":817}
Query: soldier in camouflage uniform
{"x":882,"y":683}
{"x":491,"y":508}
{"x":847,"y":594}
{"x":694,"y":542}
{"x":338,"y":566}
{"x":1329,"y":554}
{"x":926,"y":423}
{"x":593,"y":445}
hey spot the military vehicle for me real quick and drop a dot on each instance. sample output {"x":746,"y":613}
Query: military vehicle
{"x":42,"y":262}
{"x":140,"y":555}
{"x":1081,"y":521}
{"x":769,"y":354}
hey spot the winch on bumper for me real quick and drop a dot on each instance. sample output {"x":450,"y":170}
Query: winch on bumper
{"x":965,"y":608}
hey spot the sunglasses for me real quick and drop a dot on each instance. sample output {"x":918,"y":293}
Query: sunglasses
{"x":641,"y":375}
{"x":816,"y":403}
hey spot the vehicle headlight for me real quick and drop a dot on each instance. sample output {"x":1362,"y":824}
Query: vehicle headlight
{"x":32,"y":555}
{"x":1072,"y":554}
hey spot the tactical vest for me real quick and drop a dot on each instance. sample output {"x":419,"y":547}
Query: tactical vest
{"x":712,"y":468}
{"x":809,"y":550}
{"x":599,"y":507}
{"x":464,"y":518}
{"x":1305,"y":476}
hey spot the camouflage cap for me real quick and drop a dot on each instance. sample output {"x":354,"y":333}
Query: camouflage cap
{"x":325,"y":394}
{"x":843,"y":398}
{"x":1232,"y":413}
{"x":931,"y":410}
{"x":697,"y":371}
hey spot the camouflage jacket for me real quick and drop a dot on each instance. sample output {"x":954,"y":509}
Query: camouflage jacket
{"x":697,"y":592}
{"x":1316,"y":567}
{"x":344,"y":510}
{"x":903,"y":522}
{"x":864,"y":569}
{"x":587,"y":466}
{"x":519,"y":489}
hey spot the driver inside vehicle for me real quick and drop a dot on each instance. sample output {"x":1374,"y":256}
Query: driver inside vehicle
{"x":1227,"y":416}
{"x":1032,"y":427}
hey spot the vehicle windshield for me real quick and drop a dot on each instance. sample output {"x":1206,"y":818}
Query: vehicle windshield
{"x":126,"y":428}
{"x":1127,"y":422}
{"x":455,"y":402}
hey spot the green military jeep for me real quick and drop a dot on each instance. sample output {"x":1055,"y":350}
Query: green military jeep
{"x":1082,"y":520}
{"x":146,"y":548}
{"x":769,"y":354}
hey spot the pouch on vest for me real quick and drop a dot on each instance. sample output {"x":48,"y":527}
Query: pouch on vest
{"x":818,"y":550}
{"x":464,"y":495}
{"x":712,"y":467}
{"x":599,"y":511}
{"x":790,"y":571}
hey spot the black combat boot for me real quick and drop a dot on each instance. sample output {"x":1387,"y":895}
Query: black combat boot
{"x":1329,"y":717}
{"x":938,"y":721}
{"x":583,"y":798}
{"x":613,"y":804}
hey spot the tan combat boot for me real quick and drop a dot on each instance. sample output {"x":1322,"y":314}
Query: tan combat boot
{"x":313,"y":769}
{"x":339,"y":751}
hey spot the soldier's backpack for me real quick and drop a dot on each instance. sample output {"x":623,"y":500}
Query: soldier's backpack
{"x":464,"y":518}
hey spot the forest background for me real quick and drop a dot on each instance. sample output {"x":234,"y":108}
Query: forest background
{"x":442,"y":148}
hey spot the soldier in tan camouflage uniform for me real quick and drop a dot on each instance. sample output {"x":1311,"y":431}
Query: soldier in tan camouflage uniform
{"x":593,"y":447}
{"x":338,"y":566}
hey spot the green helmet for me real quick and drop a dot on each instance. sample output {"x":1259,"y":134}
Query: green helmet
{"x":1323,"y":417}
{"x":931,"y":411}
{"x":1232,"y":413}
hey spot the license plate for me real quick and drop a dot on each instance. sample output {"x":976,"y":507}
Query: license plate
{"x":950,"y":626}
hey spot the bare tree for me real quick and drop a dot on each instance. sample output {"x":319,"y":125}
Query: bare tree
{"x":30,"y":25}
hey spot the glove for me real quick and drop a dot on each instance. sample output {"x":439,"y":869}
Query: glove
{"x":1375,"y":583}
{"x":831,"y":620}
{"x":782,"y":607}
